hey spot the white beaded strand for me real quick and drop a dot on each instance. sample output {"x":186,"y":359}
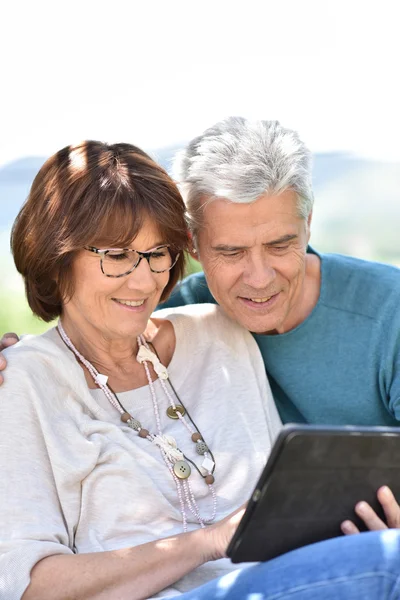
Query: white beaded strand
{"x":189,"y":496}
{"x":166,"y":451}
{"x":189,"y":426}
{"x":110,"y":396}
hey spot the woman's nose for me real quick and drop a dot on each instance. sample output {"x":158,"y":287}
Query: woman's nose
{"x":142,"y":278}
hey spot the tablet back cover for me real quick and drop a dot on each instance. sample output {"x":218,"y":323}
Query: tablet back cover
{"x":311,"y":483}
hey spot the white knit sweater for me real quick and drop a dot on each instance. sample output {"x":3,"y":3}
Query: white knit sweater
{"x":74,"y":479}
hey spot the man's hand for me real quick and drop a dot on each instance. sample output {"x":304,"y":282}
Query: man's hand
{"x":8,"y":339}
{"x":369,"y":516}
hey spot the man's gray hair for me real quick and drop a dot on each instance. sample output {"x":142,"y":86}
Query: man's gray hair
{"x":240,"y":160}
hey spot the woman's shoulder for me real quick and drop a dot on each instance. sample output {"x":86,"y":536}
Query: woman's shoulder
{"x":207,"y":322}
{"x":198,"y":313}
{"x":33,"y":356}
{"x":200,"y":316}
{"x":37,"y":345}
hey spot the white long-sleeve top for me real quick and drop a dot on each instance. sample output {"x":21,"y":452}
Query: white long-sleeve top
{"x":75,"y":479}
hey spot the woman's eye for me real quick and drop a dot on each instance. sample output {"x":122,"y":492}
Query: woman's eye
{"x":159,"y":254}
{"x":117,"y":256}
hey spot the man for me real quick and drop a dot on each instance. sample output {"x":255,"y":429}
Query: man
{"x":327,"y":325}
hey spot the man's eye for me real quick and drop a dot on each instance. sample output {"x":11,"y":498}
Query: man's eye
{"x":280,"y":248}
{"x":232,"y":254}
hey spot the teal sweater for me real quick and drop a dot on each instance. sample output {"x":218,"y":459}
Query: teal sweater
{"x":342,"y":364}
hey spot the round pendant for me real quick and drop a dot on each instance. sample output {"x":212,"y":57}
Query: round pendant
{"x":182,"y":469}
{"x":172,"y":412}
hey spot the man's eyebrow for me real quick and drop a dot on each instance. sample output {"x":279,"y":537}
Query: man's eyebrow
{"x":226,"y":248}
{"x":282,"y":240}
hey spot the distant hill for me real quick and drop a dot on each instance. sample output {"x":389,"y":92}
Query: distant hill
{"x":357,"y":208}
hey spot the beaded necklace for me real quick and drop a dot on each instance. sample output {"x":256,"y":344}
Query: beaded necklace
{"x":174,"y":458}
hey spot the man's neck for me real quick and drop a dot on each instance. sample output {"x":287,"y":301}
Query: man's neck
{"x":309,"y":297}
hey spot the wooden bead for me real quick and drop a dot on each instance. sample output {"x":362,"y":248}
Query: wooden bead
{"x":125,"y":417}
{"x":143,"y":433}
{"x":209,"y":479}
{"x":196,"y":437}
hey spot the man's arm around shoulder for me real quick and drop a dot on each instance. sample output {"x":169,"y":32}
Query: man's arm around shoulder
{"x":8,"y":339}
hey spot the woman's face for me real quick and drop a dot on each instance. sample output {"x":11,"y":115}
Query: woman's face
{"x":117,"y":308}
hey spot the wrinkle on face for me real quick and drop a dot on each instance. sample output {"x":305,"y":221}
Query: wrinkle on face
{"x":256,"y":250}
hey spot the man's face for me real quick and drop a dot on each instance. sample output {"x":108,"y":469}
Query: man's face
{"x":254,"y":259}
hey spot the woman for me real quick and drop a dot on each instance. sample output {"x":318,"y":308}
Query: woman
{"x":127,"y":441}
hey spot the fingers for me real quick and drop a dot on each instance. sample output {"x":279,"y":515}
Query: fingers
{"x":348,"y":528}
{"x":3,"y":364}
{"x":369,"y":516}
{"x":390,"y":506}
{"x":8,"y":339}
{"x":366,"y":514}
{"x":237,"y":517}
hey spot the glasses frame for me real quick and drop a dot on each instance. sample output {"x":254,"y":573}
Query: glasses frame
{"x":102,"y":252}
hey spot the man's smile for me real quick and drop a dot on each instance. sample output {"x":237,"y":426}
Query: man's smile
{"x":261,"y":302}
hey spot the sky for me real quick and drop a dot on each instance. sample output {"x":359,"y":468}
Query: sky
{"x":156,"y":73}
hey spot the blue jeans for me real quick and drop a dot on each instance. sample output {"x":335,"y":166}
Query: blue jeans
{"x":362,"y":567}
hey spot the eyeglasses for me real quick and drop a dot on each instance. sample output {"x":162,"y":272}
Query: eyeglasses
{"x":117,"y":262}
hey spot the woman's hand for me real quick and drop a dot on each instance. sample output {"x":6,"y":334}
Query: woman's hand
{"x":219,"y":535}
{"x":8,"y":339}
{"x":369,"y":516}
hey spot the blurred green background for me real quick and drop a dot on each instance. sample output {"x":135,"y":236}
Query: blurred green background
{"x":357,"y":212}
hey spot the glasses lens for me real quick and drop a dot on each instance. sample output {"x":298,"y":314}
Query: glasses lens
{"x":116,"y":262}
{"x":161,"y":259}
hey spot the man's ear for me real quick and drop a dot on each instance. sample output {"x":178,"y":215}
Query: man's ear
{"x":192,"y":247}
{"x":194,"y":254}
{"x":309,"y":219}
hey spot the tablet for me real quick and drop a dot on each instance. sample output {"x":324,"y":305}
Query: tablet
{"x":312,"y":481}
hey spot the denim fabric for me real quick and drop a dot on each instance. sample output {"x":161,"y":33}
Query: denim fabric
{"x":365,"y":567}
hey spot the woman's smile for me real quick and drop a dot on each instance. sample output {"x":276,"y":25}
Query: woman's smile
{"x":132,"y":305}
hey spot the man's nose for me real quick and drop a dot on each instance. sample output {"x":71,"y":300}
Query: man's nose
{"x":142,"y":278}
{"x":258,"y":273}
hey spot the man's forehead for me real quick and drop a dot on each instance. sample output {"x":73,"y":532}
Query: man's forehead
{"x":223,"y":218}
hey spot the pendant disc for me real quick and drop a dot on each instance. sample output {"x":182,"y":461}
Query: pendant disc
{"x":171,"y":412}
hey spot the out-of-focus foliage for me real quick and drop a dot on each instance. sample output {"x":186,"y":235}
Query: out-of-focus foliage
{"x":357,"y":212}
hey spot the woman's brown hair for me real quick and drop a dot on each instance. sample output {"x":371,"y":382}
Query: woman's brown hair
{"x":83,"y":194}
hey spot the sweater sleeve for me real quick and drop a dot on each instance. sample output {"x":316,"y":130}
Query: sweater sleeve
{"x":31,"y":519}
{"x":390,"y":373}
